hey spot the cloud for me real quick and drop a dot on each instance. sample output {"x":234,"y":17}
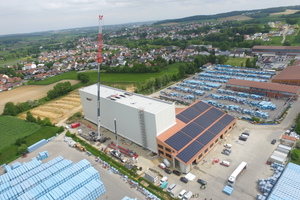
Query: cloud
{"x":19,"y":16}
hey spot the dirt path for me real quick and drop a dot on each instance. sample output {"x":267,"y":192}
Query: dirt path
{"x":27,"y":92}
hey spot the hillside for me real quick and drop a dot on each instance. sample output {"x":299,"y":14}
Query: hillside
{"x":248,"y":14}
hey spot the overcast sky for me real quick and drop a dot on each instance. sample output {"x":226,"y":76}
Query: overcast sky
{"x":25,"y":16}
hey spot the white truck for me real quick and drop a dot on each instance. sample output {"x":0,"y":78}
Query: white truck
{"x":174,"y":193}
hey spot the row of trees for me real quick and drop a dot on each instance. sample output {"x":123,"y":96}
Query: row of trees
{"x":59,"y":89}
{"x":11,"y":109}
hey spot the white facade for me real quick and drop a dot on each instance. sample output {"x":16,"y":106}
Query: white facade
{"x":158,"y":115}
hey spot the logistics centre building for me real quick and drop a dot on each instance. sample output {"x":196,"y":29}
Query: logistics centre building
{"x":290,"y":75}
{"x":263,"y":88}
{"x":182,"y":138}
{"x":139,"y":118}
{"x":199,"y":128}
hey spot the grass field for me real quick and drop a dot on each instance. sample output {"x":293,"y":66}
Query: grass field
{"x":236,"y":61}
{"x":10,"y":152}
{"x":13,"y":128}
{"x":120,"y":78}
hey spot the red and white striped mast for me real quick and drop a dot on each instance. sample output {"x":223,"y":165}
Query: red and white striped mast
{"x":99,"y":60}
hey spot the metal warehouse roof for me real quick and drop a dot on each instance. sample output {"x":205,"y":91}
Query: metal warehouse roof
{"x":196,"y":126}
{"x":288,"y":185}
{"x":265,"y":85}
{"x":289,"y":73}
{"x":134,"y":100}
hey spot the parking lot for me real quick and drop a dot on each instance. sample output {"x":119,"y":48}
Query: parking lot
{"x":212,"y":90}
{"x":255,"y":151}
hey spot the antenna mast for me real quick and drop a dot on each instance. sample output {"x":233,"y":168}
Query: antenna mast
{"x":99,"y":60}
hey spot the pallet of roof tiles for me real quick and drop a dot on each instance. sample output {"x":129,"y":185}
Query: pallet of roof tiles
{"x":227,"y":190}
{"x":37,"y":145}
{"x":15,"y":165}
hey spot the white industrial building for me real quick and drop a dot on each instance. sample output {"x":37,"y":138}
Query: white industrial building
{"x":139,"y":118}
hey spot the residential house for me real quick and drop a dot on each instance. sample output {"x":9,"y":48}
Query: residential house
{"x":29,"y":66}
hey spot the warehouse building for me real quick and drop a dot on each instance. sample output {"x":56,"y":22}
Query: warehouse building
{"x":290,"y":75}
{"x":263,"y":88}
{"x":139,"y":118}
{"x":277,"y":50}
{"x":198,"y":129}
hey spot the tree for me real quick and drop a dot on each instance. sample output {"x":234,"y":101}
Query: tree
{"x":286,"y":43}
{"x":10,"y":109}
{"x":22,"y":149}
{"x":84,"y":78}
{"x":30,"y":117}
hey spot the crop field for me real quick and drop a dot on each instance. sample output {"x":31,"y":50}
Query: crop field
{"x":287,"y":12}
{"x":27,"y":92}
{"x":237,"y":18}
{"x":236,"y":61}
{"x":57,"y":110}
{"x":13,"y":128}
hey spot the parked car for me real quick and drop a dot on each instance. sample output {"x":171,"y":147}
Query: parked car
{"x":168,"y":171}
{"x":227,"y":145}
{"x":202,"y":182}
{"x":273,"y":141}
{"x":246,"y":133}
{"x":243,"y":138}
{"x":178,"y":173}
{"x":183,"y":179}
{"x":162,"y":165}
{"x":225,"y":152}
{"x":181,"y":194}
{"x":225,"y":163}
{"x":229,"y":150}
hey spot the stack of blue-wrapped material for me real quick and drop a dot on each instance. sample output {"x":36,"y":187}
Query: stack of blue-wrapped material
{"x":37,"y":145}
{"x":43,"y":155}
{"x":128,"y":198}
{"x":266,"y":185}
{"x":227,"y":190}
{"x":15,"y":165}
{"x":56,"y":179}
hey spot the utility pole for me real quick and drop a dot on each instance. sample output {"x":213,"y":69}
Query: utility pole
{"x":99,"y":60}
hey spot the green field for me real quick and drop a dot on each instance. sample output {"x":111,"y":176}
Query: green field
{"x":120,"y":78}
{"x":13,"y":128}
{"x":236,"y":61}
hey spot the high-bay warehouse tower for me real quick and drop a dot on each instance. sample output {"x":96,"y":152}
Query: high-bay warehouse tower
{"x":139,"y":118}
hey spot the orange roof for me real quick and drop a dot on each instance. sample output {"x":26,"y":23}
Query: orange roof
{"x":205,"y":110}
{"x":288,"y":138}
{"x":178,"y":110}
{"x":289,"y":73}
{"x":265,"y":85}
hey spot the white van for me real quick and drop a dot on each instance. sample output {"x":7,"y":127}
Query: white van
{"x":188,"y":195}
{"x":171,"y":187}
{"x":167,"y":162}
{"x":181,"y":194}
{"x":163,"y":179}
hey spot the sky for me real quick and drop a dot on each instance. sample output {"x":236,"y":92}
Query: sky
{"x":26,"y":16}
